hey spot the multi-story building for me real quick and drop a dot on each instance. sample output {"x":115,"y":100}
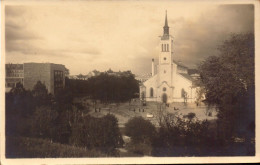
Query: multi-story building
{"x":14,"y":75}
{"x":52,"y":75}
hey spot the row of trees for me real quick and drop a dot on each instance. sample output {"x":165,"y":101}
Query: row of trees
{"x":106,"y":87}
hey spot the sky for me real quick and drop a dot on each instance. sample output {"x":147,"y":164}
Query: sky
{"x":119,"y":35}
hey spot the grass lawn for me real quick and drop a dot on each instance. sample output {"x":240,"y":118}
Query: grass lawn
{"x":24,"y":147}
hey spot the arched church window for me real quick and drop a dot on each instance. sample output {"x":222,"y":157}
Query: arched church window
{"x":162,"y":47}
{"x":151,"y":92}
{"x":164,"y":89}
{"x":167,"y":47}
{"x":183,"y":93}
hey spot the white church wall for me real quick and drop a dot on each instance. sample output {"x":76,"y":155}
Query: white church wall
{"x":182,"y":83}
{"x":165,"y":88}
{"x":165,"y":74}
{"x":151,"y":83}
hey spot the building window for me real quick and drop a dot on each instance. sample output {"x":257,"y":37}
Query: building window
{"x":151,"y":92}
{"x":164,"y":58}
{"x":167,"y":47}
{"x":162,"y":47}
{"x":58,"y":80}
{"x":164,"y":89}
{"x":164,"y":71}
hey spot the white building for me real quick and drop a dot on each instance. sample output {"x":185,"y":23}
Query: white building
{"x":171,"y":83}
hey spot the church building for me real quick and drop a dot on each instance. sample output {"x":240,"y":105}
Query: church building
{"x":171,"y":82}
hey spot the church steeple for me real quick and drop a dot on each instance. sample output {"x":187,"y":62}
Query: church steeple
{"x":166,"y":27}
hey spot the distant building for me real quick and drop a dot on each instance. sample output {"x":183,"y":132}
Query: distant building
{"x":52,"y":75}
{"x":142,"y":78}
{"x":14,"y":74}
{"x":85,"y":77}
{"x":194,"y":73}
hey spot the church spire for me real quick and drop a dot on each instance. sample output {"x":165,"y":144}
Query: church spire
{"x":166,"y":27}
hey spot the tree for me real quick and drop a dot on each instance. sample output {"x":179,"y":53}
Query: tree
{"x":40,"y":94}
{"x":116,"y":87}
{"x":228,"y":80}
{"x":19,"y":106}
{"x":97,"y":133}
{"x":43,"y":122}
{"x":140,"y":130}
{"x":179,"y":137}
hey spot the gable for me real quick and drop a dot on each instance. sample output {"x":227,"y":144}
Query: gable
{"x":164,"y":82}
{"x":151,"y":81}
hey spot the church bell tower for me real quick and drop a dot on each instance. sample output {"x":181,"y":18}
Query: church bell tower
{"x":166,"y":45}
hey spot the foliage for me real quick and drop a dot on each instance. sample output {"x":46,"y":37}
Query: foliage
{"x":190,"y":116}
{"x":19,"y":106}
{"x":106,"y":87}
{"x":113,"y":88}
{"x":24,"y":147}
{"x":140,"y":130}
{"x":40,"y":94}
{"x":180,"y":137}
{"x":59,"y":119}
{"x":139,"y":149}
{"x":228,"y":81}
{"x":99,"y":133}
{"x":43,"y":125}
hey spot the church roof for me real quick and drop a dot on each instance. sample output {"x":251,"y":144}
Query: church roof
{"x":166,"y":21}
{"x":193,"y":71}
{"x":179,"y":64}
{"x":186,"y":76}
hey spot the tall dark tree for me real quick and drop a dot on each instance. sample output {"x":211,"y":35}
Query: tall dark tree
{"x":19,"y":106}
{"x":229,"y":83}
{"x":41,"y":95}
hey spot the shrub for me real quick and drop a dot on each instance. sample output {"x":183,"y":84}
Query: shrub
{"x":43,"y":122}
{"x":140,"y":130}
{"x":180,"y":137}
{"x":98,"y":133}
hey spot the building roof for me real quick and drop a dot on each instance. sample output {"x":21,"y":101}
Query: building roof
{"x":193,"y":71}
{"x":186,"y":76}
{"x":179,"y":64}
{"x":14,"y":66}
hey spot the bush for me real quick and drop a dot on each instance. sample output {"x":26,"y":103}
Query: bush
{"x":180,"y":137}
{"x":43,"y":122}
{"x":140,"y":130}
{"x":139,"y":149}
{"x":99,"y":133}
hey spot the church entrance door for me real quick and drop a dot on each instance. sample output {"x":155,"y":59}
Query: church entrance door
{"x":164,"y":98}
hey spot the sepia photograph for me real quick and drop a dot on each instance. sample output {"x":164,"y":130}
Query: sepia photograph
{"x":128,"y":79}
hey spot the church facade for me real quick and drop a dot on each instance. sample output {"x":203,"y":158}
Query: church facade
{"x":171,"y":82}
